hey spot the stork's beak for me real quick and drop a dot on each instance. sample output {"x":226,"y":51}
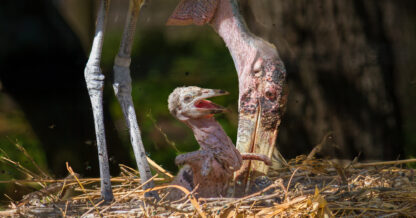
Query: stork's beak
{"x":260,"y":110}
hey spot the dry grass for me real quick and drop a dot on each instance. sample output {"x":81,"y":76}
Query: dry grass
{"x":308,"y":187}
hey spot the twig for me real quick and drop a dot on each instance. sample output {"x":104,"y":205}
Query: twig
{"x":186,"y":196}
{"x":158,"y":168}
{"x":171,"y":143}
{"x":82,"y":187}
{"x":132,"y":172}
{"x":48,"y":190}
{"x":8,"y":197}
{"x":129,"y":193}
{"x":8,"y":213}
{"x":194,"y":202}
{"x":280,"y":207}
{"x":20,"y":168}
{"x":91,"y":180}
{"x":394,"y":162}
{"x":366,"y":208}
{"x":166,"y":206}
{"x":23,"y":150}
{"x":62,"y":189}
{"x":252,"y":195}
{"x":66,"y":208}
{"x":288,"y":184}
{"x":4,"y":152}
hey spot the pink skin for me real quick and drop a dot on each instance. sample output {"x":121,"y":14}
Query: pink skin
{"x":212,"y":166}
{"x":260,"y":71}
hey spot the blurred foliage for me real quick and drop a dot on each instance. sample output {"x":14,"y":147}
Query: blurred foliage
{"x":14,"y":129}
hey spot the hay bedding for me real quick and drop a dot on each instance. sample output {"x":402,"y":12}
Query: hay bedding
{"x":306,"y":187}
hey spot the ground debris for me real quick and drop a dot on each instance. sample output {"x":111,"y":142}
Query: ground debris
{"x":308,"y":187}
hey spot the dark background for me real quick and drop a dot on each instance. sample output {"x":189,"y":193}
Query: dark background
{"x":350,"y":70}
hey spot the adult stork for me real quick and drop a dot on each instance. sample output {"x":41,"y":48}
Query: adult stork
{"x":261,"y":80}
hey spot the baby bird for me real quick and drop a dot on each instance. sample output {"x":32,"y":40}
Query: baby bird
{"x":211,"y":167}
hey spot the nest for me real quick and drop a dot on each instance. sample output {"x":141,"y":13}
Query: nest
{"x":305,"y":187}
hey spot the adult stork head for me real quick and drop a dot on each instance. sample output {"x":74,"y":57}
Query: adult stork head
{"x":260,"y":71}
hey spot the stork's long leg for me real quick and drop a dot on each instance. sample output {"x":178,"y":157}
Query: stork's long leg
{"x":95,"y":84}
{"x":122,"y":89}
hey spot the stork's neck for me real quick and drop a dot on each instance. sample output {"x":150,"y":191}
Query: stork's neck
{"x":231,"y":26}
{"x":209,"y":133}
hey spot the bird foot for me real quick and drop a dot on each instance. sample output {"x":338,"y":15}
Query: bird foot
{"x":259,"y":157}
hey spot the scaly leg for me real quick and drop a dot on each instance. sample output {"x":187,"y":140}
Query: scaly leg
{"x":95,"y":84}
{"x":122,"y":89}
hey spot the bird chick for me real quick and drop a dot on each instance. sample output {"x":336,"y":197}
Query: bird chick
{"x":212,"y":166}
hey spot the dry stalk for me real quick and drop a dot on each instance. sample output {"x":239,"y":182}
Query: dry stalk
{"x":128,"y":194}
{"x":26,"y":154}
{"x":160,"y":169}
{"x":80,"y":185}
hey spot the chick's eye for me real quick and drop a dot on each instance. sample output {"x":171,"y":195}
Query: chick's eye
{"x":187,"y":98}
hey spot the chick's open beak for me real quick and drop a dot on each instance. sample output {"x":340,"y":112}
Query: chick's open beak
{"x":201,"y":103}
